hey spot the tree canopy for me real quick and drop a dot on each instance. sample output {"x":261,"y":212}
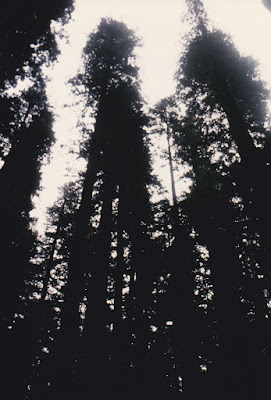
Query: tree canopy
{"x":126,"y":295}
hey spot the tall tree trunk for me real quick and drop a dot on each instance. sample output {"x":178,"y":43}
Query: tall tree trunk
{"x":254,"y":172}
{"x":95,"y":336}
{"x":80,"y":258}
{"x":238,"y":357}
{"x":49,"y":263}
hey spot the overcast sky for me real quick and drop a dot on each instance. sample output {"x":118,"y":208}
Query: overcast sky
{"x":159,"y":25}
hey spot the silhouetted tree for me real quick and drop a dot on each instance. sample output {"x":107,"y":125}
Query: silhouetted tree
{"x":222,"y":136}
{"x":181,"y":262}
{"x":123,"y":297}
{"x":118,"y":159}
{"x":25,"y":26}
{"x":26,"y":134}
{"x":26,"y":131}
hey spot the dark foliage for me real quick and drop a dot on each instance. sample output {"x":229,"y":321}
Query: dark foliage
{"x":267,"y":4}
{"x":23,"y":25}
{"x":123,"y":297}
{"x":26,"y":135}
